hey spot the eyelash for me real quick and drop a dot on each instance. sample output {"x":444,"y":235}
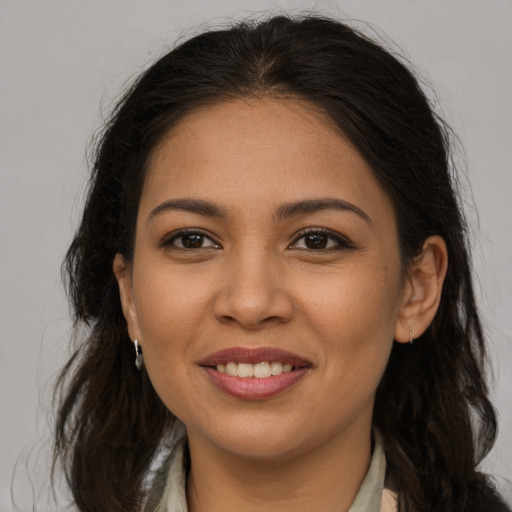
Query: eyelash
{"x":341,"y":242}
{"x":168,"y":240}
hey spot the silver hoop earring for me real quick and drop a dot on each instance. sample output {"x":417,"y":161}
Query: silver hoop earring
{"x":139,"y":358}
{"x":410,"y":336}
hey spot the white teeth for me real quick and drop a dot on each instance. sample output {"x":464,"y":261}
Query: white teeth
{"x":231,"y":369}
{"x":259,"y":371}
{"x":245,"y":370}
{"x":262,"y":370}
{"x":276,"y":368}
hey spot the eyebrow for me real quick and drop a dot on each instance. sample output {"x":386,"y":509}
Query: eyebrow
{"x":309,"y":206}
{"x":285,"y":211}
{"x":199,"y":206}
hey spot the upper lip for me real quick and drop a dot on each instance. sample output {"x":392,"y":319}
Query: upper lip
{"x":254,"y":356}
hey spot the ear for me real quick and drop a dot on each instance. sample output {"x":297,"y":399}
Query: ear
{"x":122,"y":271}
{"x":422,"y":290}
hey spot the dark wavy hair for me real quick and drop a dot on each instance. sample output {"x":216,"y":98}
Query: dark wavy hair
{"x":432,"y":405}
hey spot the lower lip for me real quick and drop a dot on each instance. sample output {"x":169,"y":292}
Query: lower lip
{"x":251,"y":388}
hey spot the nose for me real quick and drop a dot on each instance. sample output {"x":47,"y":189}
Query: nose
{"x":252,"y":292}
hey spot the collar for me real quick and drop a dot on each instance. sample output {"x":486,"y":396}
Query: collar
{"x":168,"y":492}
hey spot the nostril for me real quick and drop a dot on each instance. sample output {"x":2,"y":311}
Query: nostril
{"x":251,"y":323}
{"x":271,"y":319}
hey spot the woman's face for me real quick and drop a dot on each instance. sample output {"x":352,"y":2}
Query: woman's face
{"x":264,"y":241}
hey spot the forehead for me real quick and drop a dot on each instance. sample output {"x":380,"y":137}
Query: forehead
{"x":259,"y":152}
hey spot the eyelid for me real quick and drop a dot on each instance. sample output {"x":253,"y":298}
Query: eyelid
{"x":167,"y":240}
{"x":343,"y":241}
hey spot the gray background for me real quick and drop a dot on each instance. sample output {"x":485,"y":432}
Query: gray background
{"x":61,"y":59}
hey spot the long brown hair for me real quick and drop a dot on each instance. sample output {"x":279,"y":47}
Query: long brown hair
{"x":432,"y":404}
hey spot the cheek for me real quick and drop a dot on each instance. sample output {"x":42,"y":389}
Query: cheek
{"x":356,"y":299}
{"x":169,"y":296}
{"x":354,"y":315}
{"x":171,"y":309}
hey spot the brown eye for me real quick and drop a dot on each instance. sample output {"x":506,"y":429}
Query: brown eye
{"x":318,"y":240}
{"x":192,"y":240}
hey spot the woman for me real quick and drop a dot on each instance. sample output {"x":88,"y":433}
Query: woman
{"x":272,"y":236}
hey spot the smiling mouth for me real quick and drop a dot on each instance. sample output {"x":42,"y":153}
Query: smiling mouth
{"x":260,"y":370}
{"x":255,"y":374}
{"x":261,"y":362}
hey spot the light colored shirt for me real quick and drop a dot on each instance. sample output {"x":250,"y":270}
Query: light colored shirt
{"x":168,"y":493}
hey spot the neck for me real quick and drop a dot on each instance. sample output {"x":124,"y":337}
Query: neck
{"x":325,"y":478}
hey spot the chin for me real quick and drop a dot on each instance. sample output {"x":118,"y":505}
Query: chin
{"x":265,"y":440}
{"x":256,"y":449}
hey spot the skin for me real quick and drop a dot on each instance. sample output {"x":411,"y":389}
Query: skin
{"x":255,"y":280}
